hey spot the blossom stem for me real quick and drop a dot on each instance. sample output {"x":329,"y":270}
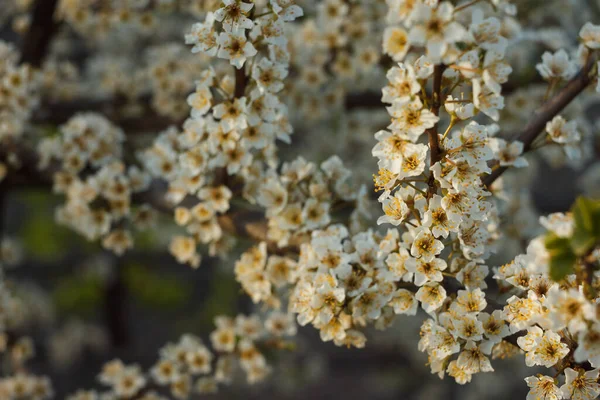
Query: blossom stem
{"x":450,"y":161}
{"x":466,"y":5}
{"x":457,"y":68}
{"x":263,"y":14}
{"x":465,"y":101}
{"x":550,"y":89}
{"x":454,"y":86}
{"x":416,"y":188}
{"x":413,"y":180}
{"x":424,"y":95}
{"x":222,"y":92}
{"x":450,"y":126}
{"x":416,"y":215}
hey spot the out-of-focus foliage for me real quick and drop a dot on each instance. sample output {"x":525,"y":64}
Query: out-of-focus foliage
{"x":155,"y":290}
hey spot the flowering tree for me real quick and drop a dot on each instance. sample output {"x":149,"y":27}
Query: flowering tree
{"x":226,"y":144}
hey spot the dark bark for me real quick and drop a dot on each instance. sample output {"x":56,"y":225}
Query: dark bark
{"x":3,"y":193}
{"x":241,"y":81}
{"x":364,"y":100}
{"x":432,"y":133}
{"x":41,"y":30}
{"x":116,"y":307}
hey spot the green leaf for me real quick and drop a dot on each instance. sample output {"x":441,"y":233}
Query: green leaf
{"x":556,"y":244}
{"x":582,"y":213}
{"x":582,"y":242}
{"x":562,"y":258}
{"x":586,"y":229}
{"x":562,"y":265}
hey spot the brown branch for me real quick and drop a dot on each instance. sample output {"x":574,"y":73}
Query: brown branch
{"x":241,"y":81}
{"x":57,"y":113}
{"x":432,"y":133}
{"x":363,"y":100}
{"x":147,"y":121}
{"x":548,"y":111}
{"x":115,"y":306}
{"x":3,"y":195}
{"x":41,"y":30}
{"x":372,"y":99}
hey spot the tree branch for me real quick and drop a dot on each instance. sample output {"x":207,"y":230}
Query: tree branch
{"x":366,"y":100}
{"x":116,"y":306}
{"x":547,"y":112}
{"x":3,"y":193}
{"x":241,"y":81}
{"x":57,"y":113}
{"x":434,"y":140}
{"x":41,"y":30}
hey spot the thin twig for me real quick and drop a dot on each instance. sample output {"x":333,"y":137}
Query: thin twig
{"x":547,"y":112}
{"x":466,"y":5}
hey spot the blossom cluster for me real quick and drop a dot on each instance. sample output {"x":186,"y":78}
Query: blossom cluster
{"x":158,"y":78}
{"x":343,"y":279}
{"x":189,"y":366}
{"x":557,"y":319}
{"x":16,"y":351}
{"x":18,"y":98}
{"x":234,"y":121}
{"x":18,"y":87}
{"x":96,"y":183}
{"x":335,"y":55}
{"x":131,"y":16}
{"x":26,"y":386}
{"x":302,"y":198}
{"x":457,"y":161}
